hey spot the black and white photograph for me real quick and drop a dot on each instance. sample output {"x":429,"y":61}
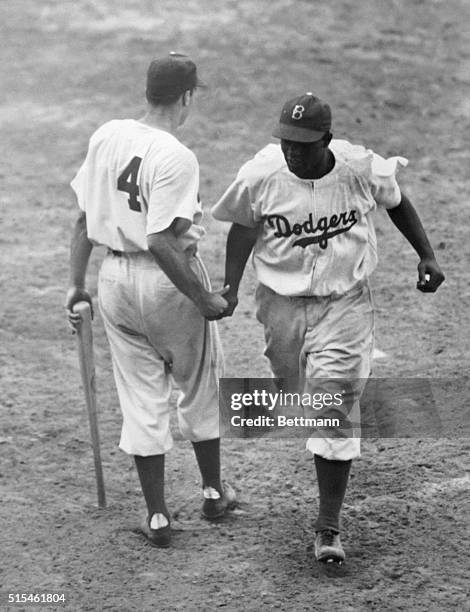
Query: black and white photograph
{"x":235,"y":305}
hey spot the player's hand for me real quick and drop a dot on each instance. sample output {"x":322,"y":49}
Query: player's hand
{"x":214,"y":304}
{"x":430,"y":275}
{"x":75,"y":295}
{"x":232,"y":301}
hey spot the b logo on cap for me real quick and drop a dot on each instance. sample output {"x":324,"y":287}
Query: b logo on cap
{"x":298,"y":112}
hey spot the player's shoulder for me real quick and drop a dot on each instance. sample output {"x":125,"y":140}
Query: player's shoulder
{"x":352,"y":160}
{"x":263,"y":165}
{"x":131,"y":129}
{"x":178,"y":148}
{"x":108,"y":128}
{"x":360,"y":160}
{"x":169,"y":150}
{"x":350,"y":153}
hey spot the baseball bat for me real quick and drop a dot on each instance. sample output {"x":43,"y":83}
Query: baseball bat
{"x":87,"y":369}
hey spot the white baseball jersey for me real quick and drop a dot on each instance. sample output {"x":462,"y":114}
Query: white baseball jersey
{"x":135,"y":181}
{"x":317,"y":236}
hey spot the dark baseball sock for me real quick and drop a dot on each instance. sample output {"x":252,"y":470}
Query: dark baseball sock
{"x":151,"y":472}
{"x":332,"y":479}
{"x":208,"y":459}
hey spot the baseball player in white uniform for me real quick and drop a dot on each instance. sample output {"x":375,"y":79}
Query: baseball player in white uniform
{"x":138,"y":196}
{"x":305,"y":208}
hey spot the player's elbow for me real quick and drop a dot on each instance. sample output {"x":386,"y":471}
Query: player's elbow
{"x":403,"y":207}
{"x":80,"y":228}
{"x":154,"y":242}
{"x":158,"y":243}
{"x":244,"y":234}
{"x":81,"y":219}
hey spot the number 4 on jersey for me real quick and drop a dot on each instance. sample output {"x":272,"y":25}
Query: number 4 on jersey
{"x":127,"y":182}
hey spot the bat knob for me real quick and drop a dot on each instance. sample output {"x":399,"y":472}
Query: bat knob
{"x":84,"y":310}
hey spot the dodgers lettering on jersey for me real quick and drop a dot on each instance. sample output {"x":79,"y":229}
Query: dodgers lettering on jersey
{"x":316,"y":237}
{"x":135,"y":181}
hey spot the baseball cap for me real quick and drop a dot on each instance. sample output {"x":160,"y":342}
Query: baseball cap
{"x":170,"y":76}
{"x":303,"y":119}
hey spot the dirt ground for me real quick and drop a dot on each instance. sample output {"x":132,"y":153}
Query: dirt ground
{"x":396,"y":74}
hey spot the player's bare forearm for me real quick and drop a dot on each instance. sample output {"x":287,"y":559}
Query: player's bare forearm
{"x":240,"y":243}
{"x":407,"y":221}
{"x":173,"y":261}
{"x":80,"y":250}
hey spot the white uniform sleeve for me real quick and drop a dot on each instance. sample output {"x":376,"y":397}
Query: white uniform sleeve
{"x":380,"y":173}
{"x":384,"y":186}
{"x":80,"y":181}
{"x":78,"y":184}
{"x":241,"y":202}
{"x":174,"y":190}
{"x":236,"y":205}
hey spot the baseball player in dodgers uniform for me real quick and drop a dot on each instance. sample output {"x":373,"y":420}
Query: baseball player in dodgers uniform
{"x":138,"y":194}
{"x":305,"y":207}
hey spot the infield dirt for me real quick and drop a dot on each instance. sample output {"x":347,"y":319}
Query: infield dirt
{"x":397,"y":76}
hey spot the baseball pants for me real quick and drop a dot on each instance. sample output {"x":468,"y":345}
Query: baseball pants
{"x":158,"y":337}
{"x":314,"y":340}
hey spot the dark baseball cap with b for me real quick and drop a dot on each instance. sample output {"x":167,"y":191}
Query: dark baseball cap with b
{"x":303,"y":119}
{"x":169,"y":77}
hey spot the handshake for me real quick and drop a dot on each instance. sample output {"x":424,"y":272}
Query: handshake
{"x":214,"y":305}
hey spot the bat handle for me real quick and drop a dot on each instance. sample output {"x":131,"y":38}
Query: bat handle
{"x":83,"y":308}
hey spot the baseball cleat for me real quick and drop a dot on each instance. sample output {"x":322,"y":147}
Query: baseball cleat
{"x":216,"y":505}
{"x":159,"y":537}
{"x":328,"y":547}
